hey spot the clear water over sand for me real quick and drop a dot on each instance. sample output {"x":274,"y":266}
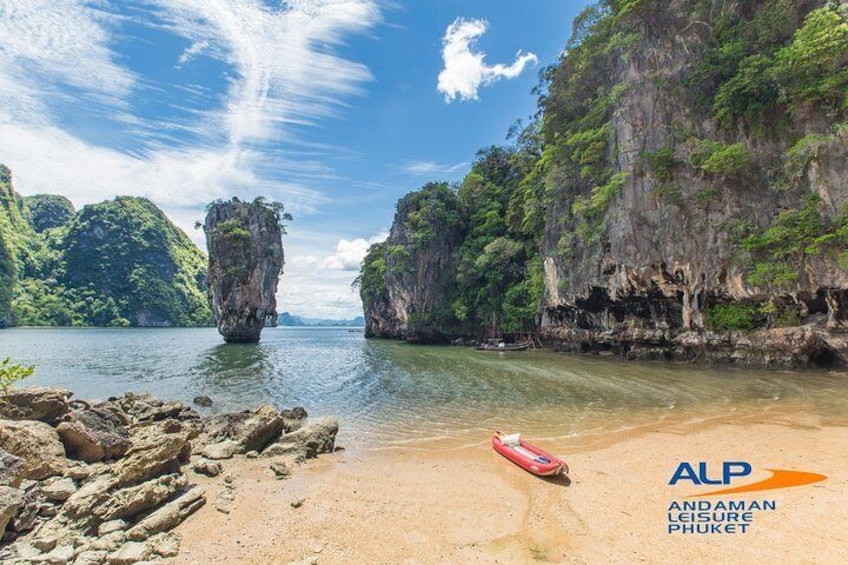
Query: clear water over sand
{"x":389,"y":393}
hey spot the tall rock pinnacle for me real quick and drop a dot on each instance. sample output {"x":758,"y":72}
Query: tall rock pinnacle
{"x":245,"y":263}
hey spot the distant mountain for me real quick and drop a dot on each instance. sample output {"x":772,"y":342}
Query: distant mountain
{"x":288,"y":320}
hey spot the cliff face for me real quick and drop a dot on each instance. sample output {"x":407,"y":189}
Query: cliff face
{"x":407,"y":286}
{"x":683,"y":191}
{"x":245,"y":263}
{"x":717,"y":222}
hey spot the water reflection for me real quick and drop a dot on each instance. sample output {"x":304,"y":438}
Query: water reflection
{"x":391,"y":393}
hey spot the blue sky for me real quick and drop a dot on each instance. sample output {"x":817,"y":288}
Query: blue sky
{"x":336,"y":108}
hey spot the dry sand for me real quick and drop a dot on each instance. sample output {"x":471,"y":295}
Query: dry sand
{"x":458,"y":503}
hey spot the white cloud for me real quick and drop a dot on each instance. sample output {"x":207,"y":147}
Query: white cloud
{"x":53,"y":44}
{"x":465,"y":69}
{"x":350,"y":253}
{"x":431,"y":168}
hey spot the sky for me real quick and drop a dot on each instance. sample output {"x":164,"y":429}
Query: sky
{"x":336,"y":108}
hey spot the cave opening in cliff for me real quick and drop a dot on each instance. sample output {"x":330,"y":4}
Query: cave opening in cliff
{"x":824,"y":357}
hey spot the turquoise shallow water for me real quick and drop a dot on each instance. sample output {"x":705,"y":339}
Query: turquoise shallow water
{"x":390,"y":393}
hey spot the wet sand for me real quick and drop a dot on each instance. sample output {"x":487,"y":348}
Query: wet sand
{"x":455,"y":502}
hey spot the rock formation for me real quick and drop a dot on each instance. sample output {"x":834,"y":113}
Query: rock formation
{"x":683,"y":195}
{"x":245,"y":263}
{"x":112,"y":479}
{"x":414,"y":276}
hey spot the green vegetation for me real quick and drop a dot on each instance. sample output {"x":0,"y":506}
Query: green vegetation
{"x":117,"y":263}
{"x":11,"y":373}
{"x":781,"y":252}
{"x":751,"y":80}
{"x":45,"y":211}
{"x":731,"y":317}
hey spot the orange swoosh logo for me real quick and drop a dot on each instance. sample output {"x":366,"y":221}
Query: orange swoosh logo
{"x":779,"y":479}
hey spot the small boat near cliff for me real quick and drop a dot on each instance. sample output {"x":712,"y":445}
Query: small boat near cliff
{"x":529,"y":457}
{"x":498,"y":345}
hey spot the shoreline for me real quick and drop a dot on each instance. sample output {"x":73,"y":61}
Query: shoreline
{"x":461,"y":503}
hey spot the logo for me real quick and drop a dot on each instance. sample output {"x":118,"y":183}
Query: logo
{"x":726,"y":516}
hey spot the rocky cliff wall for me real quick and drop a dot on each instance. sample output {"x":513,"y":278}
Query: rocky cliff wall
{"x":417,"y":269}
{"x":681,"y":243}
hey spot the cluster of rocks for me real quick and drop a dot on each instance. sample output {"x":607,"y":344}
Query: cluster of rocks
{"x":105,"y":483}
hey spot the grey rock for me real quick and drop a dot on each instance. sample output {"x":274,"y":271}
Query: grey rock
{"x":165,"y":544}
{"x":109,"y":542}
{"x":44,"y":543}
{"x":37,"y":444}
{"x":91,"y":557}
{"x":316,"y":437}
{"x":24,"y":550}
{"x":280,"y":469}
{"x":250,"y":430}
{"x":130,"y":553}
{"x":93,"y":436}
{"x":58,"y":489}
{"x":208,"y":468}
{"x":131,"y":501}
{"x":111,"y":526}
{"x":26,"y":517}
{"x":11,"y":469}
{"x":222,"y":450}
{"x":169,"y":515}
{"x":61,"y":555}
{"x":203,"y":401}
{"x":46,"y":404}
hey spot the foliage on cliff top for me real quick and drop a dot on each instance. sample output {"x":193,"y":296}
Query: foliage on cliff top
{"x":45,"y":211}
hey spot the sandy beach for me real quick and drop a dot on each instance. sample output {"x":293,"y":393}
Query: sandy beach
{"x":460,"y":502}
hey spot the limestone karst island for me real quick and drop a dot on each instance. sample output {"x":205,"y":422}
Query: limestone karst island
{"x":349,"y":281}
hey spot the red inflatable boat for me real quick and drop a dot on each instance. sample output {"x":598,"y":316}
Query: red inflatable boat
{"x":528,"y":456}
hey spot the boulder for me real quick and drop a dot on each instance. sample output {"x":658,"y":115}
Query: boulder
{"x":11,"y":469}
{"x":203,"y":401}
{"x":26,"y":517}
{"x":129,"y":502}
{"x":93,"y":436}
{"x":208,"y":468}
{"x":10,"y":500}
{"x":111,"y":526}
{"x":316,"y":437}
{"x":251,"y":431}
{"x":144,"y":407}
{"x":168,"y":516}
{"x":46,"y":404}
{"x":223,"y":450}
{"x":130,"y":553}
{"x":36,"y":443}
{"x":91,"y":557}
{"x":58,"y":489}
{"x":294,"y":418}
{"x":165,"y":544}
{"x":156,"y":448}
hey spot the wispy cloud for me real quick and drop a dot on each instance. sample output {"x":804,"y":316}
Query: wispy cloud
{"x":465,"y":69}
{"x":50,"y":46}
{"x":431,"y":168}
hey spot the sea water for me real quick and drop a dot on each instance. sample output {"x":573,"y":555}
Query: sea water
{"x":389,"y":394}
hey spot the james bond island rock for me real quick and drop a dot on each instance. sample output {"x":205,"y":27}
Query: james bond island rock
{"x":245,"y":263}
{"x":683,"y":194}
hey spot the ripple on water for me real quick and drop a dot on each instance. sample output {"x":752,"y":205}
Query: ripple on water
{"x":393,"y":394}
